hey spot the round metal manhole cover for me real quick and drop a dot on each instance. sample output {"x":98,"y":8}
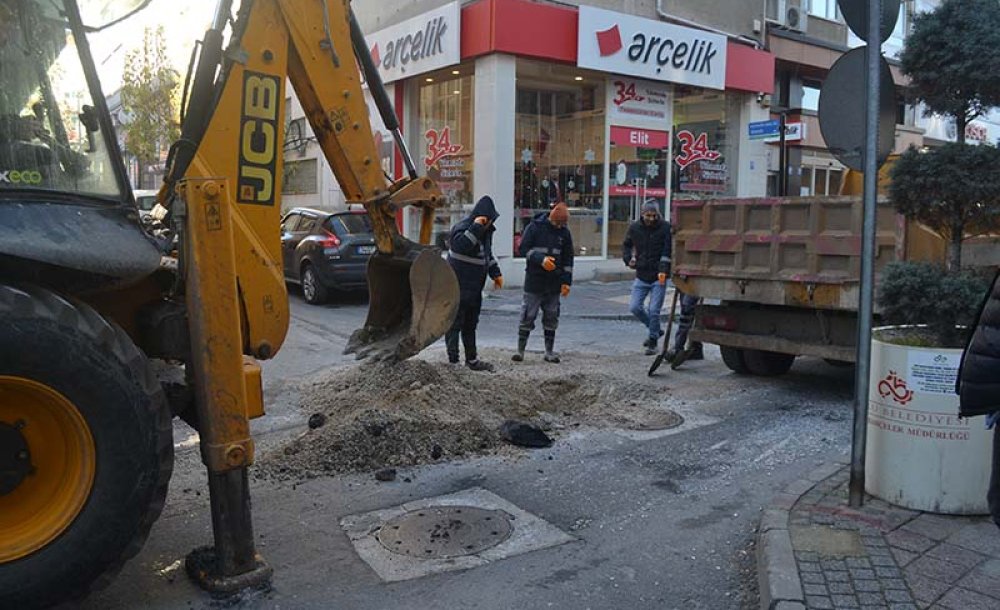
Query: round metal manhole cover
{"x":439,"y":532}
{"x":653,"y":420}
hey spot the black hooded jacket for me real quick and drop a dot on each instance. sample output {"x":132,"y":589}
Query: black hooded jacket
{"x":650,"y":244}
{"x":542,"y":239}
{"x":471,"y":252}
{"x":979,"y":376}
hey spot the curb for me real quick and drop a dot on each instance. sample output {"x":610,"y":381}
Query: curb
{"x":777,"y":571}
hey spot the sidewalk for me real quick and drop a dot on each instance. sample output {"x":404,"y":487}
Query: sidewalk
{"x":587,"y":300}
{"x":815,"y":552}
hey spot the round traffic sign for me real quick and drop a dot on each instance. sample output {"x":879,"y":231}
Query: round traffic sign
{"x":855,"y":13}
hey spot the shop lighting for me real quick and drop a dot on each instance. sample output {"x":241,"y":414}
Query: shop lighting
{"x":455,"y":72}
{"x":429,"y":80}
{"x":457,"y":92}
{"x":578,"y":78}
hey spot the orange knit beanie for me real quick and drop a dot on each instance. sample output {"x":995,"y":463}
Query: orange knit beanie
{"x":560,"y":213}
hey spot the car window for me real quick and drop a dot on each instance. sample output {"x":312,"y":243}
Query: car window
{"x":290,"y":222}
{"x":351,"y":224}
{"x":146,"y":202}
{"x":307,"y":225}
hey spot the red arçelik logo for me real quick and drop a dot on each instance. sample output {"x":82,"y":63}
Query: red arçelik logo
{"x":376,"y":56}
{"x":609,"y":41}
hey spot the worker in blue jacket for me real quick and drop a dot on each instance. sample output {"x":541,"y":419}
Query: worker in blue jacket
{"x":470,"y":255}
{"x":547,"y":247}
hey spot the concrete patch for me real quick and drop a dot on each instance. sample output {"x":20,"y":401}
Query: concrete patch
{"x":827,"y":542}
{"x":530,"y":534}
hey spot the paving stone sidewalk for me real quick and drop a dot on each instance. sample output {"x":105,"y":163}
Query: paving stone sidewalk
{"x":815,"y":552}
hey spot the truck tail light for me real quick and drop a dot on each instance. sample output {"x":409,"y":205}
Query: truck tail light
{"x":719,"y":322}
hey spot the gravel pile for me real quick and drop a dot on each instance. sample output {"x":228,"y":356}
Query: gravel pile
{"x":416,"y":411}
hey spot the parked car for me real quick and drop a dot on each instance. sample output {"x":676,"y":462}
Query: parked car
{"x":326,"y":251}
{"x":145,"y":200}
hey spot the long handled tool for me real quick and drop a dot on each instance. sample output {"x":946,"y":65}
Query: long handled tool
{"x":666,"y":338}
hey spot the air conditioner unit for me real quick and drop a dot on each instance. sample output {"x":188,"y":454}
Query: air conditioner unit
{"x":796,"y":18}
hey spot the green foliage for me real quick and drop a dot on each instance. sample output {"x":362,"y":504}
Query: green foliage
{"x":149,"y":98}
{"x":953,"y":189}
{"x":948,"y":57}
{"x":913,"y":293}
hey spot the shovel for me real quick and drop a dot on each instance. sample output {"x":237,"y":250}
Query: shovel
{"x":666,"y":338}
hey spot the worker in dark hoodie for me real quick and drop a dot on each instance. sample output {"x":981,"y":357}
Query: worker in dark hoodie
{"x":471,"y":257}
{"x":547,"y":248}
{"x":647,"y":250}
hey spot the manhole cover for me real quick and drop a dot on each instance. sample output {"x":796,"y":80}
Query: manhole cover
{"x":445,"y":531}
{"x":653,"y":420}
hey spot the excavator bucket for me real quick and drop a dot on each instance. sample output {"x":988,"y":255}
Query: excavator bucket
{"x":412,"y":303}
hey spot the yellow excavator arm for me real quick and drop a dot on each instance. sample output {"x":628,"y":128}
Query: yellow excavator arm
{"x":223,"y":186}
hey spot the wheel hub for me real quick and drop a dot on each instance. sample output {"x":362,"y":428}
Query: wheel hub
{"x":15,"y":459}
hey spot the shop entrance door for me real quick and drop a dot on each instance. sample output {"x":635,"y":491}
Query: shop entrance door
{"x":638,"y":174}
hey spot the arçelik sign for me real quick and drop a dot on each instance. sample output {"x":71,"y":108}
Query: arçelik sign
{"x":623,"y":44}
{"x":428,"y":42}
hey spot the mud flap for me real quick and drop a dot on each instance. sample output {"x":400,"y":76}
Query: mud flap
{"x":412,"y":303}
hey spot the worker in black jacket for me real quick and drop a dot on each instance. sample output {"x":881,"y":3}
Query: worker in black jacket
{"x":547,"y":248}
{"x":647,"y":250}
{"x":979,"y":382}
{"x":471,"y":257}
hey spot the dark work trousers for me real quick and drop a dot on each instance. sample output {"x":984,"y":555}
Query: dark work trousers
{"x":549,"y":304}
{"x":993,"y":495}
{"x":686,"y":321}
{"x":466,"y":321}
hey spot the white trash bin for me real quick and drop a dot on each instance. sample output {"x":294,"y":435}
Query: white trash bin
{"x":920,"y":454}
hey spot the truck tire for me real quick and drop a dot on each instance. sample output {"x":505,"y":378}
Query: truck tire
{"x":83,"y":506}
{"x":733,"y":357}
{"x":767,"y":364}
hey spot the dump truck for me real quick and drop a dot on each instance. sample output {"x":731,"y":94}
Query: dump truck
{"x":779,"y":277}
{"x":108,"y":332}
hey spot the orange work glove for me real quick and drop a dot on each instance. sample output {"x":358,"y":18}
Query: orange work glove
{"x":549,"y":264}
{"x":564,"y":290}
{"x":481,"y":220}
{"x":498,"y":282}
{"x":663,"y":278}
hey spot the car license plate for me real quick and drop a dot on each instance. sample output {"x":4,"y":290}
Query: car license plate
{"x":366,"y":249}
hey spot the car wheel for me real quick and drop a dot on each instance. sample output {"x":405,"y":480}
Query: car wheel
{"x":313,"y":290}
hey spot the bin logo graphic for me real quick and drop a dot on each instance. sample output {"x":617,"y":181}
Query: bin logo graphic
{"x":895,"y":386}
{"x":609,"y":41}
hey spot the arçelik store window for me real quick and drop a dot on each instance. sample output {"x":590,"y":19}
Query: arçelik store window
{"x":446,"y":118}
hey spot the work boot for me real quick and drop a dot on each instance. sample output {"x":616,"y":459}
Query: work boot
{"x":649,"y":342}
{"x":451,"y":343}
{"x":550,"y":342}
{"x":479,"y":365}
{"x":522,"y":344}
{"x":697,"y":352}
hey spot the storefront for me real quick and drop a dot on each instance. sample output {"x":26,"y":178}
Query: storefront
{"x":535,"y":103}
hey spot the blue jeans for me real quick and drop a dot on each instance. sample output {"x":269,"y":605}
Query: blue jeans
{"x":649,"y":317}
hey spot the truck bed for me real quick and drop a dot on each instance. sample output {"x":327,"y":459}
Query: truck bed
{"x":791,"y":251}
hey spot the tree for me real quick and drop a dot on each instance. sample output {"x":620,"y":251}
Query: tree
{"x":947,"y":58}
{"x":954,"y":190}
{"x":149,"y":99}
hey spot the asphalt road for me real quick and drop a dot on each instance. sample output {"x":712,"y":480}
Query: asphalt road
{"x":661,"y":520}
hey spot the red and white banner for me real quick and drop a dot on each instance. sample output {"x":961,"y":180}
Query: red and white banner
{"x":642,"y":138}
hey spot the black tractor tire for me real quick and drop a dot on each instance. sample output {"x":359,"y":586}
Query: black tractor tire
{"x":767,"y":364}
{"x":313,"y":290}
{"x":70,"y":348}
{"x":733,"y":358}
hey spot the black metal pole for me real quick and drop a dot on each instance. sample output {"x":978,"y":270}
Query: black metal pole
{"x":866,"y":296}
{"x":782,"y":155}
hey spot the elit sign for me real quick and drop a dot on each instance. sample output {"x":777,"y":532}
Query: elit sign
{"x":623,"y":44}
{"x":421,"y":44}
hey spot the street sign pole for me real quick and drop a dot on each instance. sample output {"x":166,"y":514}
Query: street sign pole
{"x":782,"y":155}
{"x":866,"y":297}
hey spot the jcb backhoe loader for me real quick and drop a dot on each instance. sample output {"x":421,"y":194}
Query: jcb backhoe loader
{"x":94,"y":319}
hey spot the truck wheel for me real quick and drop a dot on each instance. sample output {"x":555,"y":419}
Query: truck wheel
{"x":767,"y":364}
{"x":85,"y":448}
{"x":733,"y":357}
{"x":313,"y":290}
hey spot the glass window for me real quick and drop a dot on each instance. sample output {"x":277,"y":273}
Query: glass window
{"x":806,"y":187}
{"x":50,"y":138}
{"x":446,"y":118}
{"x":300,"y":177}
{"x":351,"y":224}
{"x":823,"y":8}
{"x":810,"y":95}
{"x":290,"y":223}
{"x":836,"y":178}
{"x":307,"y":225}
{"x":706,"y":136}
{"x":559,"y":150}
